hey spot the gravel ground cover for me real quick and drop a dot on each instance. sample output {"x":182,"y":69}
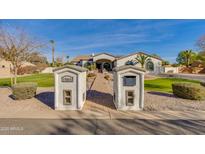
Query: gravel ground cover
{"x":162,"y":101}
{"x":158,"y":101}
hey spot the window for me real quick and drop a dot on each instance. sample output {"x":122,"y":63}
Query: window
{"x":67,"y":97}
{"x":129,"y":80}
{"x":130,"y":98}
{"x":129,"y":62}
{"x":150,"y":66}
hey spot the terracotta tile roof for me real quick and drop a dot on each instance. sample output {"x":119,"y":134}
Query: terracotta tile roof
{"x":105,"y":54}
{"x":81,"y":57}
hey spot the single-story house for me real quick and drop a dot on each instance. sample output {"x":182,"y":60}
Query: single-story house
{"x":170,"y":69}
{"x":5,"y":67}
{"x":108,"y":61}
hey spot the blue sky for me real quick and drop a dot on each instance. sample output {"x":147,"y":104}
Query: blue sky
{"x":119,"y":37}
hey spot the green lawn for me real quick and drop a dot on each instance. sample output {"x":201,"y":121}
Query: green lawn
{"x":164,"y":84}
{"x":47,"y":80}
{"x":43,"y":80}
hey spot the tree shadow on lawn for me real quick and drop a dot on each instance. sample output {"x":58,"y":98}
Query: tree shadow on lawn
{"x":47,"y":98}
{"x":151,"y":85}
{"x":3,"y":85}
{"x":161,"y":94}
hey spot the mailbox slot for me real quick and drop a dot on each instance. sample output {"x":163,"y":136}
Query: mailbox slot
{"x":129,"y":98}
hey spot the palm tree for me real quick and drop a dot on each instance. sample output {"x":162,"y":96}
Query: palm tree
{"x":186,"y":57}
{"x":188,"y":54}
{"x":141,"y":58}
{"x":53,"y":50}
{"x":201,"y":57}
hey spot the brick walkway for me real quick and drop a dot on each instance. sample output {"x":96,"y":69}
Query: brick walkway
{"x":100,"y":95}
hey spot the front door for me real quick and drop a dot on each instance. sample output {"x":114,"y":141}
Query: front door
{"x":107,"y":66}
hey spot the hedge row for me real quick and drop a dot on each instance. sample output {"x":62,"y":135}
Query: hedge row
{"x":24,"y":90}
{"x":189,"y":91}
{"x":203,"y":84}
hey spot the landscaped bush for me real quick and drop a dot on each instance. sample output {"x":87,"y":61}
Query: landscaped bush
{"x":90,"y":66}
{"x":27,"y":70}
{"x":91,"y":75}
{"x":41,"y":66}
{"x":24,"y":90}
{"x":107,"y":77}
{"x":203,"y":84}
{"x":189,"y":91}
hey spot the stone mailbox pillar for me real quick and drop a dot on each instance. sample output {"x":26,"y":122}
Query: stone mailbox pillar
{"x":70,"y":87}
{"x":128,"y":88}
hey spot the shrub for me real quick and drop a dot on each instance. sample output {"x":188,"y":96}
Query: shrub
{"x":91,"y":75}
{"x":27,"y":70}
{"x":203,"y":84}
{"x":90,"y":66}
{"x":175,"y":65}
{"x":107,"y":77}
{"x":41,"y":66}
{"x":24,"y":90}
{"x":188,"y":91}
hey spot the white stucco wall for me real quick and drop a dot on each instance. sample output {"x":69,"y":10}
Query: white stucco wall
{"x":77,"y":86}
{"x":157,"y":63}
{"x":170,"y":70}
{"x":120,"y":90}
{"x":82,"y":89}
{"x":103,"y":56}
{"x":48,"y":70}
{"x":4,"y":68}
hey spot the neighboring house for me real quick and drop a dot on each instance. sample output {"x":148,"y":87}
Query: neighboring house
{"x":82,"y":60}
{"x":6,"y":65}
{"x":170,"y":69}
{"x":108,"y":61}
{"x":153,"y":65}
{"x":48,"y":70}
{"x":4,"y":68}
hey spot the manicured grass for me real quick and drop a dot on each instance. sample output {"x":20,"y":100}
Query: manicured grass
{"x":47,"y":80}
{"x":43,"y":80}
{"x":164,"y":84}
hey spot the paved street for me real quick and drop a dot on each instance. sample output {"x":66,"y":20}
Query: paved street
{"x":100,"y":126}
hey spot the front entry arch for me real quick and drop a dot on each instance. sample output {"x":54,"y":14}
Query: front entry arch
{"x":104,"y":64}
{"x":107,"y":66}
